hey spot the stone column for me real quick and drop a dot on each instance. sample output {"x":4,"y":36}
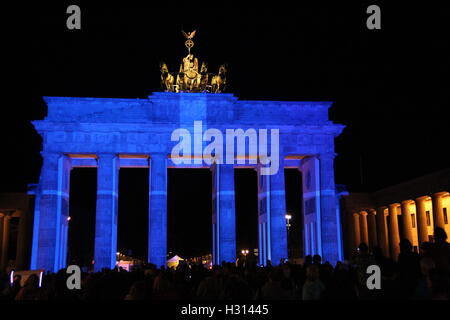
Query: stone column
{"x":224,"y":214}
{"x":438,"y":211}
{"x":277,"y":205}
{"x":106,"y":212}
{"x":157,"y":217}
{"x":35,"y":228}
{"x":357,"y":230}
{"x":310,"y":167}
{"x":394,"y":235}
{"x":407,"y":222}
{"x":2,"y":219}
{"x":364,"y":228}
{"x":349,"y":235}
{"x":372,"y":226}
{"x":22,"y":241}
{"x":53,"y":209}
{"x":422,"y":228}
{"x":328,"y":212}
{"x":5,"y":241}
{"x":263,"y":218}
{"x":382,"y":231}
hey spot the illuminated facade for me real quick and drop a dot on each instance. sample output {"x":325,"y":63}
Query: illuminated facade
{"x":110,"y":134}
{"x":409,"y":210}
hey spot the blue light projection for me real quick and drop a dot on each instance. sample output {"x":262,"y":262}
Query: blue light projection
{"x":112,"y":133}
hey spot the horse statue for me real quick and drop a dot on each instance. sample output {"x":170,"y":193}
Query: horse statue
{"x":219,"y":81}
{"x":203,"y":77}
{"x":166,"y":78}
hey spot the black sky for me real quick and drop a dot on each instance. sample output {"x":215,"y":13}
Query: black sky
{"x":390,"y":87}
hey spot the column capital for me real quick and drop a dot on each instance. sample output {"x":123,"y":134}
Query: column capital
{"x":393,"y":209}
{"x":439,"y":194}
{"x":363,"y":213}
{"x":422,"y":198}
{"x":6,"y":214}
{"x":372,"y":211}
{"x":51,"y":157}
{"x":382,"y":209}
{"x":356,"y":214}
{"x":406,"y":202}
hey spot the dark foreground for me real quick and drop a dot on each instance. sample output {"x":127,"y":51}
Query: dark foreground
{"x":413,"y":276}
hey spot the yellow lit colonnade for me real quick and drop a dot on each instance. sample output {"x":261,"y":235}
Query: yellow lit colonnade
{"x":404,"y":211}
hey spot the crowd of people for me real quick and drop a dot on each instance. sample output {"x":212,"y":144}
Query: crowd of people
{"x":411,"y":276}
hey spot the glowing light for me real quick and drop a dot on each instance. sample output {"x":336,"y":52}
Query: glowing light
{"x":288,"y":217}
{"x":40,"y":278}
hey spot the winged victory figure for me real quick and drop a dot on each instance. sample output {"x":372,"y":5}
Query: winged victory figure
{"x":188,"y":35}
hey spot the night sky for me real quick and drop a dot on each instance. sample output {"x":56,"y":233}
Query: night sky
{"x":390,"y":87}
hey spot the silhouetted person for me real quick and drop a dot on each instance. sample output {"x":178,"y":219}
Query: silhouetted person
{"x":251,"y":260}
{"x":425,"y":248}
{"x":236,"y":289}
{"x":343,"y":286}
{"x":408,"y":268}
{"x":288,"y":283}
{"x":378,"y":254}
{"x":12,"y":291}
{"x":272,"y":290}
{"x":440,"y":284}
{"x":361,"y":261}
{"x":137,"y":291}
{"x":210,"y":287}
{"x":308,"y":260}
{"x":440,"y":250}
{"x":389,"y":283}
{"x":313,"y":287}
{"x":423,"y":288}
{"x":30,"y":290}
{"x":317,"y":259}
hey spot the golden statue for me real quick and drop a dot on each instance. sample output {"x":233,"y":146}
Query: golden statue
{"x":203,"y":76}
{"x":219,"y":81}
{"x":166,"y":77}
{"x":189,"y":78}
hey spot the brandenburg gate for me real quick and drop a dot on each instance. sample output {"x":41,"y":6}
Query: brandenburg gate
{"x":110,"y":134}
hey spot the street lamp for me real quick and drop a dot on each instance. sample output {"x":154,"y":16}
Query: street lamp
{"x":288,"y":218}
